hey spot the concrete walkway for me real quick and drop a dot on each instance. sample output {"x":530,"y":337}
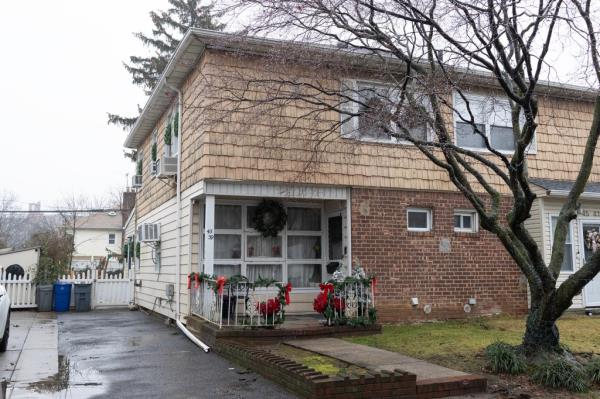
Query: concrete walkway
{"x":32,"y":354}
{"x":375,"y":359}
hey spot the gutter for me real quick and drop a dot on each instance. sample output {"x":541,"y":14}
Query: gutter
{"x":565,"y":193}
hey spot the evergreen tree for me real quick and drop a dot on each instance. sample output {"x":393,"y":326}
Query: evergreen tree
{"x":169,"y":28}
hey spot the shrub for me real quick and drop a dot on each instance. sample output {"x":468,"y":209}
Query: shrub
{"x":504,"y":358}
{"x":592,"y":369}
{"x":558,"y":372}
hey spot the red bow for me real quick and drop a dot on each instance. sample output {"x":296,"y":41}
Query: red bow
{"x":189,"y":281}
{"x":288,"y":289}
{"x":373,"y":285}
{"x":326,"y":288}
{"x":220,"y":284}
{"x":196,"y":280}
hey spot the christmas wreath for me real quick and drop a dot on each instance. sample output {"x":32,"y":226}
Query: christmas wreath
{"x":269,"y":218}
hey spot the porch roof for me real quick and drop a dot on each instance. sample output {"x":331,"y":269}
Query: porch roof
{"x":561,"y":188}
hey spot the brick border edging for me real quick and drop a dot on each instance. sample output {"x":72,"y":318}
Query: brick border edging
{"x":450,"y":386}
{"x":309,"y":383}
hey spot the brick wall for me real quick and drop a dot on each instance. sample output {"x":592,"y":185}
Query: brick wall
{"x":412,"y":264}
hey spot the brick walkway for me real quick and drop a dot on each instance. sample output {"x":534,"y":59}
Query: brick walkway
{"x":432,"y":380}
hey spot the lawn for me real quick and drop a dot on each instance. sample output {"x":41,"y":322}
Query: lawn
{"x":460,"y":344}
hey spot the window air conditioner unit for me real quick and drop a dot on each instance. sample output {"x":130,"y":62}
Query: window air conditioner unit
{"x":153,"y":165}
{"x":149,"y":232}
{"x":136,"y":181}
{"x":167,"y":166}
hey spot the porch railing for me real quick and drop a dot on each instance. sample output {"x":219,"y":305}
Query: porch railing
{"x":237,"y":304}
{"x":351,"y":303}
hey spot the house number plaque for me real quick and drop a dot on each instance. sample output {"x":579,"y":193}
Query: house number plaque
{"x":587,"y":212}
{"x":209,"y":234}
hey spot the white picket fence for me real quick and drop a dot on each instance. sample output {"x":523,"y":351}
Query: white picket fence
{"x":107,"y":290}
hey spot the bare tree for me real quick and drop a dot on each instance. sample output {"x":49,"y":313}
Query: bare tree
{"x":7,"y":203}
{"x":427,"y":52}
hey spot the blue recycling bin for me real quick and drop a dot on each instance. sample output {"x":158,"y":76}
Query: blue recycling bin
{"x":62,"y":296}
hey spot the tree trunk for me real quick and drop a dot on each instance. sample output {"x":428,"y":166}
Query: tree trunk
{"x":541,"y":332}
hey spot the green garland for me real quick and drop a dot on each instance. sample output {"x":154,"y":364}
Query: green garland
{"x":168,"y":135}
{"x":154,"y":152}
{"x":269,"y":218}
{"x":138,"y":249}
{"x":261,"y":282}
{"x":176,"y":124}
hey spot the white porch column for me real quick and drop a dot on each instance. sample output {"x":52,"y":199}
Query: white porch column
{"x":349,"y":228}
{"x":209,"y":234}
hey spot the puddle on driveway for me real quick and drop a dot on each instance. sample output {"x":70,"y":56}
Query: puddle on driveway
{"x":77,"y":383}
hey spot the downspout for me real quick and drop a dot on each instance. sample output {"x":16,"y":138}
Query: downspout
{"x":178,"y":239}
{"x":178,"y":189}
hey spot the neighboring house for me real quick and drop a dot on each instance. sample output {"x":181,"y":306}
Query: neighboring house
{"x":371,"y":200}
{"x":95,"y":237}
{"x":19,"y":261}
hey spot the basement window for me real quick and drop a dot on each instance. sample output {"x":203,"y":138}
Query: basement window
{"x":465,"y":221}
{"x":418,"y":219}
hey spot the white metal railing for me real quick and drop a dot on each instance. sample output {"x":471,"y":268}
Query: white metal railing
{"x":237,"y":304}
{"x":349,"y":303}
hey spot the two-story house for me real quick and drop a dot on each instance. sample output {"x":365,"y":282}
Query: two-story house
{"x":371,"y":200}
{"x":95,"y":237}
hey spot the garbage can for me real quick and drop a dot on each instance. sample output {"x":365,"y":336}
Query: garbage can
{"x":83,"y":297}
{"x":43,"y":297}
{"x":62,"y":296}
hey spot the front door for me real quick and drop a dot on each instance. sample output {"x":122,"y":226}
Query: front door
{"x":336,"y":243}
{"x":590,"y":241}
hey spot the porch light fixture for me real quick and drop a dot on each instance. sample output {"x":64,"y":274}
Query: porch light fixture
{"x":472,"y":301}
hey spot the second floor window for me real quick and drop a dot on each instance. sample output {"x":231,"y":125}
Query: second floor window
{"x":111,"y":238}
{"x":378,"y":117}
{"x":491,"y":119}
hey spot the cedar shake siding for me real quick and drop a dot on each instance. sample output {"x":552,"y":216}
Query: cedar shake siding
{"x":413,"y":264}
{"x":247,"y":145}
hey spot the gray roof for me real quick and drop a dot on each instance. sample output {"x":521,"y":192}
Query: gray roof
{"x":196,"y":40}
{"x":100,"y":221}
{"x":564,"y":185}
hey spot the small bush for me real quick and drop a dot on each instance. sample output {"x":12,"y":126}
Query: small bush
{"x":592,"y":370}
{"x":503,"y":358}
{"x":557,"y":372}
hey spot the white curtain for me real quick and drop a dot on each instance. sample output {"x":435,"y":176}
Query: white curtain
{"x":253,"y":271}
{"x":227,"y":270}
{"x":228,"y":246}
{"x":263,"y":247}
{"x":304,"y":247}
{"x":228,"y":217}
{"x":304,"y":219}
{"x":304,"y":275}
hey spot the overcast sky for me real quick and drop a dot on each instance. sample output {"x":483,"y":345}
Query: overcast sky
{"x":60,"y":74}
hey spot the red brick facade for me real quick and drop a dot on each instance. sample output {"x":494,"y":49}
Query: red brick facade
{"x":414,"y":264}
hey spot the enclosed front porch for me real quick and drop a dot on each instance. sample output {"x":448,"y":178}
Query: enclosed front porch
{"x":262,"y":260}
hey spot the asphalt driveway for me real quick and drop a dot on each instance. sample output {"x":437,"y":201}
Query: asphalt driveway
{"x":123,"y":354}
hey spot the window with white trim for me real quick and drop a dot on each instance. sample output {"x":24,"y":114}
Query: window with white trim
{"x":304,"y":246}
{"x":418,"y":219}
{"x":567,"y":263}
{"x":465,"y":221}
{"x":492,"y":119}
{"x":112,"y":238}
{"x":376,"y":106}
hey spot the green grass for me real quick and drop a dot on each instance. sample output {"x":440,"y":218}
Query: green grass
{"x":324,"y":364}
{"x":460,"y":344}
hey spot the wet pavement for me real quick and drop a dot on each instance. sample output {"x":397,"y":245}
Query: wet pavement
{"x":118,"y":354}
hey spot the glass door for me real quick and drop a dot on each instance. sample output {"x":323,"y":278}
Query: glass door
{"x":335,"y":241}
{"x":590,"y":240}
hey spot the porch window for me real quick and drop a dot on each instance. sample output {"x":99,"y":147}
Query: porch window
{"x":263,"y":247}
{"x":228,"y":246}
{"x":567,"y":264}
{"x":227,"y":270}
{"x":228,"y":233}
{"x":305,"y":275}
{"x":255,"y":271}
{"x":418,"y":219}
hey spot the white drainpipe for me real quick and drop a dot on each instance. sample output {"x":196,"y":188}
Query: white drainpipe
{"x":178,"y":239}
